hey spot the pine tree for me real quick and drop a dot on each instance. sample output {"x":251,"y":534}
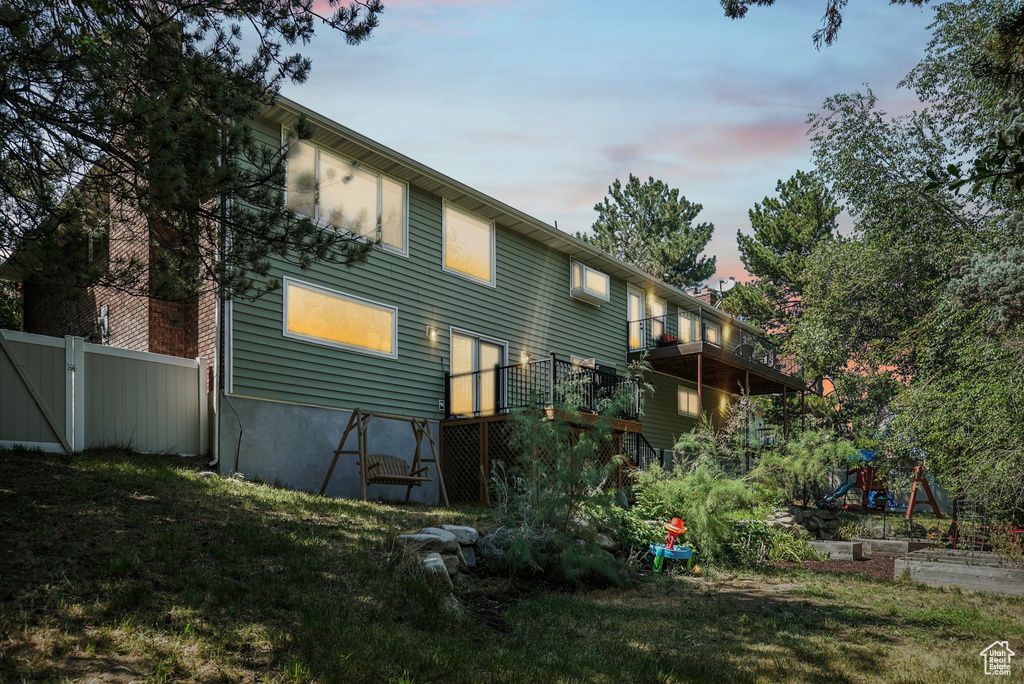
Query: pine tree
{"x":651,"y":227}
{"x":140,"y":113}
{"x":787,"y":228}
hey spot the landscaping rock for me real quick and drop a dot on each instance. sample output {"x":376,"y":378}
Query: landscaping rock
{"x":205,"y":473}
{"x":606,"y":542}
{"x":451,"y":605}
{"x":466,"y":536}
{"x":452,"y":563}
{"x":813,"y":524}
{"x":435,"y":571}
{"x":438,"y":532}
{"x":428,"y":542}
{"x":469,"y":555}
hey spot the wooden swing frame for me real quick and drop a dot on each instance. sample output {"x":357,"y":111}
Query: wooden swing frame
{"x":380,"y":468}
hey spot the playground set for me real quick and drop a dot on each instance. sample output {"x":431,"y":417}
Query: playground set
{"x":875,"y":494}
{"x":969,"y":528}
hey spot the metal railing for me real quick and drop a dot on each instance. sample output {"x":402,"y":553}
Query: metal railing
{"x":685,"y":327}
{"x":545,"y":382}
{"x":640,"y":452}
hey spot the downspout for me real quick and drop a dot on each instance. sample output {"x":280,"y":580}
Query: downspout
{"x":218,"y":316}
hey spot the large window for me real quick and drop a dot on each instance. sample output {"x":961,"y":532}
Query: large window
{"x":340,"y":193}
{"x":688,"y":402}
{"x":468,"y":245}
{"x":317,"y":314}
{"x":589,"y":284}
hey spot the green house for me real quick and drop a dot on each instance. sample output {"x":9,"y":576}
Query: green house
{"x":466,"y":307}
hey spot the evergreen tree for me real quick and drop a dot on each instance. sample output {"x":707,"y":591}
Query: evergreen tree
{"x":651,"y":226}
{"x":787,"y":228}
{"x":139,"y":112}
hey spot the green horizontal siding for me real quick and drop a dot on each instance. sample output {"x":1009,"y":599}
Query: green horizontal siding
{"x":662,"y":422}
{"x":530,"y":309}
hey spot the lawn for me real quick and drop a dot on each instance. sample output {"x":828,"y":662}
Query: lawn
{"x":121,"y":567}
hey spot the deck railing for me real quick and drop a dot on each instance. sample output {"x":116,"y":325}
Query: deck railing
{"x":686,"y":327}
{"x":545,"y":382}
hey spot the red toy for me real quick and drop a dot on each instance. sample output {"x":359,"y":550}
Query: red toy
{"x":675,"y":527}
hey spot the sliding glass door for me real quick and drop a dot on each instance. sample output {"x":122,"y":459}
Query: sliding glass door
{"x":475,"y":388}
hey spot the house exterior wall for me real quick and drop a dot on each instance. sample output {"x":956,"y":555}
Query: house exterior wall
{"x":662,"y":423}
{"x":530,"y":309}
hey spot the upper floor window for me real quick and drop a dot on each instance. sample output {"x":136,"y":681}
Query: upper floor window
{"x":689,"y":327}
{"x":327,"y":188}
{"x":318,"y":314}
{"x":713,"y":332}
{"x":589,"y":284}
{"x":468,"y":244}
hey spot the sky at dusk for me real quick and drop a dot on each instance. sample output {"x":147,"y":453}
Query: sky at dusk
{"x":543,"y":104}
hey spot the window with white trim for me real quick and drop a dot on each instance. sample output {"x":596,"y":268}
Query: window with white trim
{"x":713,"y":332}
{"x":468,"y":244}
{"x":340,"y":193}
{"x":689,"y":326}
{"x":317,"y":314}
{"x":688,"y":402}
{"x":589,"y":284}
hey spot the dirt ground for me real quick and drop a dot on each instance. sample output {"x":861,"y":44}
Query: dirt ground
{"x":880,"y":567}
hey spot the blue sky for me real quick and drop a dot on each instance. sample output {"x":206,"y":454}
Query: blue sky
{"x":543,"y":104}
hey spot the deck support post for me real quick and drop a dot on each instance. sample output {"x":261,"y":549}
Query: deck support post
{"x":785,"y":413}
{"x":746,"y":416}
{"x":803,"y":412}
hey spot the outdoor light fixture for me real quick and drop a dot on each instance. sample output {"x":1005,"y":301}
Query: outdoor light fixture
{"x":432,"y":333}
{"x":524,"y":356}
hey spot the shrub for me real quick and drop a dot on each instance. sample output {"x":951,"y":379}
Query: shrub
{"x":555,"y":500}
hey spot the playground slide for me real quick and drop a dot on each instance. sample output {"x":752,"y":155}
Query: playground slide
{"x":840,"y":491}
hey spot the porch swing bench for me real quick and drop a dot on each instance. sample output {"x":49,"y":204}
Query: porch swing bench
{"x":386,"y":469}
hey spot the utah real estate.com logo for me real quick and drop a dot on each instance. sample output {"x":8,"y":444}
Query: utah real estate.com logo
{"x":997,"y":658}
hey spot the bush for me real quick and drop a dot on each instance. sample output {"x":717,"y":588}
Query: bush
{"x":711,"y":492}
{"x":555,"y":500}
{"x":757,"y":543}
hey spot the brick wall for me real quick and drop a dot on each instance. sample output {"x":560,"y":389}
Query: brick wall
{"x":58,"y":311}
{"x":183,"y":329}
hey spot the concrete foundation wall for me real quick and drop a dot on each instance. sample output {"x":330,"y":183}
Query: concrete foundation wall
{"x":293,"y":446}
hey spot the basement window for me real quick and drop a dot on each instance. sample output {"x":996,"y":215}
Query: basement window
{"x":588,"y":284}
{"x":324,"y":316}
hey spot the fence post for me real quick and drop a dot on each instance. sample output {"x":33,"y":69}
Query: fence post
{"x":554,"y":377}
{"x":74,"y":392}
{"x":498,"y":408}
{"x":201,"y":407}
{"x":447,"y":395}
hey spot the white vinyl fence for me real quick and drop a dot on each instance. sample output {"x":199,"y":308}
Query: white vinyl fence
{"x":67,"y":395}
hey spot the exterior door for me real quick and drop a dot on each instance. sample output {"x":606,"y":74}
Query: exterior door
{"x":475,"y":385}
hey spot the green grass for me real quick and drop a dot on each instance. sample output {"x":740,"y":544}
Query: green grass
{"x":123,"y":567}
